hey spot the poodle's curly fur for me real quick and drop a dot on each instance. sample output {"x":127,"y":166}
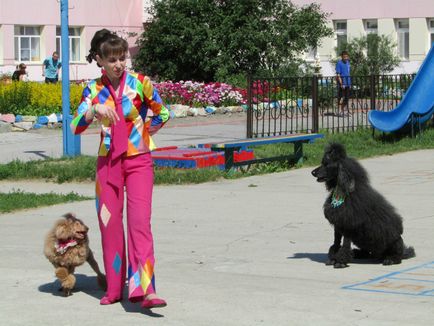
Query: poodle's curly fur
{"x":358,"y":213}
{"x":66,"y":247}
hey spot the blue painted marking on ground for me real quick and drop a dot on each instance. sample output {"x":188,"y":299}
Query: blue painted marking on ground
{"x":428,"y":293}
{"x":414,"y":281}
{"x":410,"y":279}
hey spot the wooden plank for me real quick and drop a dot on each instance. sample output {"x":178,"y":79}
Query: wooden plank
{"x":266,"y":141}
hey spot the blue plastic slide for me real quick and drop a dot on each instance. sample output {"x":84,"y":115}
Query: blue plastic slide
{"x":417,"y":105}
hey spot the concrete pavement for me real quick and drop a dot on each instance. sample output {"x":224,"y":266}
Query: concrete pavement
{"x":43,"y":143}
{"x":235,"y":252}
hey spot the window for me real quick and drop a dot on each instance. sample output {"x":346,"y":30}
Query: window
{"x":431,"y":31}
{"x":371,"y":26}
{"x":74,"y":43}
{"x":402,"y":28}
{"x":341,"y":33}
{"x":27,"y":43}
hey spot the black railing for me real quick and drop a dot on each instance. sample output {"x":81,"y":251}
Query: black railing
{"x":282,"y":106}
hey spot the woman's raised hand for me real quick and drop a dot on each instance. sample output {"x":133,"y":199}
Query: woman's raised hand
{"x":106,"y":112}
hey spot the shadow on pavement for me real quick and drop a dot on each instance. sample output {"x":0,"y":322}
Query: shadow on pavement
{"x":135,"y":307}
{"x":322,"y":258}
{"x":89,"y":285}
{"x":38,"y":153}
{"x":317,"y":257}
{"x":84,"y":283}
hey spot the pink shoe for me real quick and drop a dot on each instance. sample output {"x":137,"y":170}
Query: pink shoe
{"x":153,"y":303}
{"x":106,"y":301}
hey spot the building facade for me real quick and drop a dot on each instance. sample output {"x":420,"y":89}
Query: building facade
{"x":410,"y":24}
{"x":30,"y":31}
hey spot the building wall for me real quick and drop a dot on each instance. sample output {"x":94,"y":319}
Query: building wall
{"x":128,"y":16}
{"x":367,"y":9}
{"x":147,"y":5}
{"x":1,"y":43}
{"x":386,"y":12}
{"x":122,"y":16}
{"x":419,"y":38}
{"x":327,"y":46}
{"x":355,"y":28}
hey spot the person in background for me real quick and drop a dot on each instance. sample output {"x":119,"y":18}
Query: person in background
{"x":51,"y":67}
{"x":343,"y":77}
{"x":120,"y":100}
{"x":20,"y":74}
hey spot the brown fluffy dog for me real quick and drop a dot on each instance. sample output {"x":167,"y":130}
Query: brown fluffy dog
{"x":66,"y":247}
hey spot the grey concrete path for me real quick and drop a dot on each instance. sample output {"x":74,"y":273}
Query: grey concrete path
{"x":236,"y":252}
{"x":43,"y":143}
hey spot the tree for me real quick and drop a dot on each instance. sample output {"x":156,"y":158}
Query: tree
{"x":215,"y":39}
{"x":371,"y":55}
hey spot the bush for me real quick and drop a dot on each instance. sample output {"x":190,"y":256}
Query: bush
{"x":210,"y":40}
{"x":15,"y":97}
{"x":32,"y":98}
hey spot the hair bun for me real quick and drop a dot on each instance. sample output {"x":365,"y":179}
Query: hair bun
{"x":91,"y":56}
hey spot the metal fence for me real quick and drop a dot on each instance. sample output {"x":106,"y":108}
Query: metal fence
{"x":282,"y":106}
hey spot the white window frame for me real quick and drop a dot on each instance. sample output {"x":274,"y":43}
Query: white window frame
{"x":431,"y":32}
{"x":34,"y":40}
{"x":403,"y":32}
{"x":340,"y":31}
{"x":72,"y":37}
{"x":368,"y":26}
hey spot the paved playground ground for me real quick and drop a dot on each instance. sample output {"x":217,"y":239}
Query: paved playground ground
{"x":44,"y":143}
{"x":235,"y":252}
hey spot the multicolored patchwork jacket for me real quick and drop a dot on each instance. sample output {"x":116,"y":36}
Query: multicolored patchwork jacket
{"x":142,"y":107}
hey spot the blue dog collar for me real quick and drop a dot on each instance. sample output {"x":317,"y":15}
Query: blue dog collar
{"x":337,"y":200}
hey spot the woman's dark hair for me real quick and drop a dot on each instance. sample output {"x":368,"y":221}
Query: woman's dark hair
{"x":105,"y":43}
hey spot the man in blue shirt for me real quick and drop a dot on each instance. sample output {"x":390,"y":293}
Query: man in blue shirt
{"x":50,"y":68}
{"x":343,"y":78}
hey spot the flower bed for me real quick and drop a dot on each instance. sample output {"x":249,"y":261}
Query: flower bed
{"x":41,"y":103}
{"x":195,"y":94}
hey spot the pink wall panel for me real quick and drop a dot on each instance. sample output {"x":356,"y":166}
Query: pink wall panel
{"x":362,"y":9}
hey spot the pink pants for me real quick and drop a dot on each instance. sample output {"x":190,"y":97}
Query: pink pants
{"x":137,"y":175}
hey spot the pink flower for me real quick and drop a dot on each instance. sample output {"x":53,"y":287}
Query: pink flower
{"x":195,"y":93}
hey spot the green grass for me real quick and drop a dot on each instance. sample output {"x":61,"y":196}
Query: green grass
{"x":17,"y":200}
{"x":359,"y":144}
{"x":60,"y":170}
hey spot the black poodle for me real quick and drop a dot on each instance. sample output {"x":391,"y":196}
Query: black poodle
{"x":358,"y":213}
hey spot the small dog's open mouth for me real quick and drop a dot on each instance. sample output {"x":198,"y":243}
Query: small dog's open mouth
{"x":80,"y":234}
